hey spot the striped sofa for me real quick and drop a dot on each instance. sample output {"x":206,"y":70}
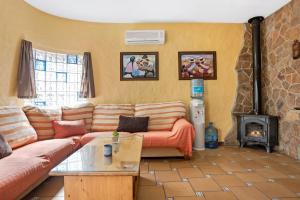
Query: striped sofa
{"x":30,"y":133}
{"x":167,"y":127}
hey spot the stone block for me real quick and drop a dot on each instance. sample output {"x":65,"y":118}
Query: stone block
{"x":295,"y":88}
{"x":292,"y":116}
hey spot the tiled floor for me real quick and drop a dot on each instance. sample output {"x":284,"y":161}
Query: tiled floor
{"x":227,"y":173}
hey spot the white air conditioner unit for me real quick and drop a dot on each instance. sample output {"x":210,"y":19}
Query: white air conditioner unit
{"x":135,"y":37}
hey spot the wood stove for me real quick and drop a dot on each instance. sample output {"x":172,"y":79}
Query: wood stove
{"x":257,"y":128}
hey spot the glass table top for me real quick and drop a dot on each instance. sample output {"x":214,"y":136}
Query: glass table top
{"x":90,"y":159}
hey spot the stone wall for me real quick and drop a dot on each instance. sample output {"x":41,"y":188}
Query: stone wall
{"x":281,"y":74}
{"x":243,"y":102}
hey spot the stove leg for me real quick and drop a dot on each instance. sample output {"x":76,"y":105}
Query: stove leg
{"x":242,"y":144}
{"x":269,"y":149}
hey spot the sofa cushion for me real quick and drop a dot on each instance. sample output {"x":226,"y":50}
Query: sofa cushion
{"x":162,"y":115}
{"x":15,"y":127}
{"x":156,"y":138}
{"x":133,"y":124}
{"x":65,"y":129}
{"x":41,"y":120}
{"x":83,"y":111}
{"x":106,"y":116}
{"x":54,"y":150}
{"x":18,"y":174}
{"x":5,"y":149}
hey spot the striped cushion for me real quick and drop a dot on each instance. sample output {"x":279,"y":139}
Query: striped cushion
{"x":41,"y":120}
{"x":82,"y":111}
{"x":15,"y":127}
{"x":106,"y":116}
{"x":162,"y":115}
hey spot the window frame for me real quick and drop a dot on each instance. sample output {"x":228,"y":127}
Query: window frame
{"x":66,"y":70}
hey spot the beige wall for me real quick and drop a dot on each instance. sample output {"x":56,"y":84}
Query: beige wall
{"x":18,"y":20}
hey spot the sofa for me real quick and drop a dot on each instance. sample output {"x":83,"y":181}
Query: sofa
{"x":30,"y":133}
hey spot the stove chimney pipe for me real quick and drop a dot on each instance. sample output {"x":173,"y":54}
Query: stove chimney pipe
{"x":256,"y":56}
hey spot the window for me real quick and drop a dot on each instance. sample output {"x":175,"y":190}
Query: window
{"x":58,"y":78}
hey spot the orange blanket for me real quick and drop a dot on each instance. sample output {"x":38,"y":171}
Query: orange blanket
{"x":181,"y":137}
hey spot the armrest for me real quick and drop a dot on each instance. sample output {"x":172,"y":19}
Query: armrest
{"x":185,"y":133}
{"x":181,"y":124}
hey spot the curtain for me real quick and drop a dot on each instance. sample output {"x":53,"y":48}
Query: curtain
{"x":87,"y":89}
{"x":26,"y":79}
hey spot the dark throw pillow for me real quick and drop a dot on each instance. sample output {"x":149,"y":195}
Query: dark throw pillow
{"x":133,"y":124}
{"x":5,"y":149}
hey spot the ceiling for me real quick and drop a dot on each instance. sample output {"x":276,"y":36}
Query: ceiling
{"x":142,"y":11}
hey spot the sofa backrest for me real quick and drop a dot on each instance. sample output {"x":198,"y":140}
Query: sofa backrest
{"x":15,"y":127}
{"x":41,"y":120}
{"x":82,"y":111}
{"x":162,"y":115}
{"x":106,"y":116}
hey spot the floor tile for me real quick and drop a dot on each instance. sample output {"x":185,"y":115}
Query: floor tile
{"x":274,"y":190}
{"x":219,"y":159}
{"x":251,"y":177}
{"x":248,"y":193}
{"x":228,"y":180}
{"x":291,"y":184}
{"x":287,"y":168}
{"x":270,"y":173}
{"x":180,"y":164}
{"x":281,"y":157}
{"x":200,"y":161}
{"x":251,"y":164}
{"x":190,"y":172}
{"x":189,"y":198}
{"x":177,"y":189}
{"x":211,"y":169}
{"x":204,"y":184}
{"x":159,"y":166}
{"x":296,"y":176}
{"x":167,"y":176}
{"x":151,"y":193}
{"x":219,"y":195}
{"x":147,"y":179}
{"x":231,"y":167}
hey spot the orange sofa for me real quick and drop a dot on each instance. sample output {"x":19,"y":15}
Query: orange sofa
{"x":29,"y":165}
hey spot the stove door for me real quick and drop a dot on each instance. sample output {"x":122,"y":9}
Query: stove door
{"x":254,"y":130}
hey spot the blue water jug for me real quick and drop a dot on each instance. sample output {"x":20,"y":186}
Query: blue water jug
{"x":211,"y":136}
{"x":197,"y":88}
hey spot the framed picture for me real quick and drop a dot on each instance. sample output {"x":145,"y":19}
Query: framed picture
{"x":197,"y":64}
{"x":139,"y":66}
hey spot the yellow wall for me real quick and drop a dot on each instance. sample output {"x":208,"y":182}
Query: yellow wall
{"x":20,"y":21}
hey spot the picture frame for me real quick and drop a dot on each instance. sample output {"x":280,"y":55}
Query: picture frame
{"x":197,"y":65}
{"x":139,"y":66}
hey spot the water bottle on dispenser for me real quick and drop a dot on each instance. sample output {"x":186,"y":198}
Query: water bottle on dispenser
{"x":198,"y":113}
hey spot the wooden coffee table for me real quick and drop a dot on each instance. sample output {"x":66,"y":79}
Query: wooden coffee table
{"x":88,"y":174}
